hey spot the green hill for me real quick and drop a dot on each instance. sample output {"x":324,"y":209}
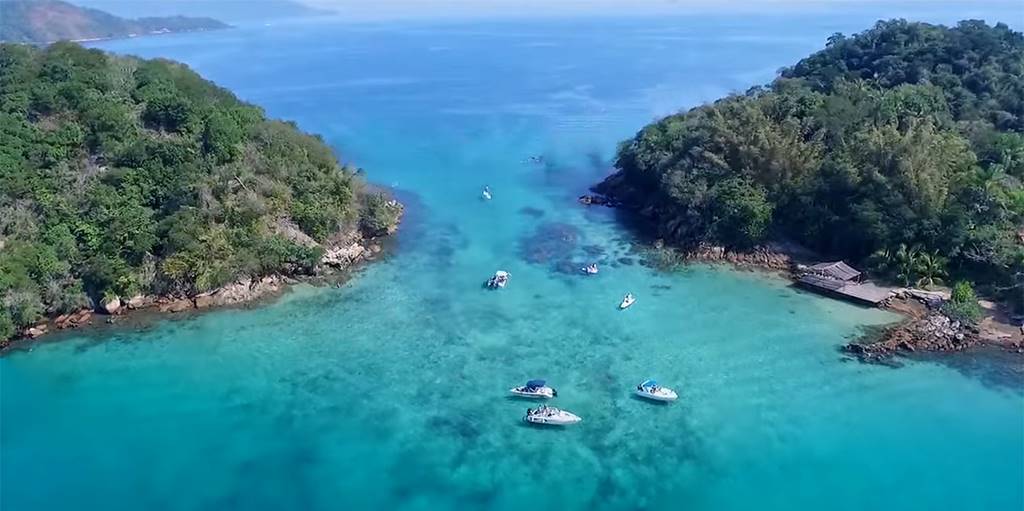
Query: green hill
{"x":121,"y":176}
{"x":46,"y":21}
{"x":900,"y":148}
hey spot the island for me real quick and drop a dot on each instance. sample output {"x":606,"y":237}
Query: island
{"x":47,"y":21}
{"x":131,"y":184}
{"x":899,"y":150}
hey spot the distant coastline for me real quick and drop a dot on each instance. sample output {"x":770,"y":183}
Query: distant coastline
{"x":136,"y":36}
{"x":50,"y":21}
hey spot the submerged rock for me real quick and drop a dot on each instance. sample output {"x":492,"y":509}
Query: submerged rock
{"x":551,"y":242}
{"x":531,"y":212}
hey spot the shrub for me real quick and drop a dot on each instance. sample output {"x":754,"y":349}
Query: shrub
{"x":380,"y":215}
{"x":963,"y":304}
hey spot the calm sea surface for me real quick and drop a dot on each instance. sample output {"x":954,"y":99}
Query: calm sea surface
{"x":389,"y":393}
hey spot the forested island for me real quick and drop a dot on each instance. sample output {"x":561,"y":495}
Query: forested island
{"x":47,"y":21}
{"x":128,"y":182}
{"x":900,"y":149}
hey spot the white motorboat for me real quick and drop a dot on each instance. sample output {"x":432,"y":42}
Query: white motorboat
{"x":550,"y":416}
{"x":589,"y":270}
{"x":487,"y":193}
{"x":499,"y":280}
{"x":536,"y":389}
{"x":650,"y":389}
{"x":627,"y":300}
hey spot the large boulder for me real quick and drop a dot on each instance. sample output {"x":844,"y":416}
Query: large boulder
{"x":138,"y":302}
{"x":112,"y":306}
{"x":36,"y":331}
{"x":179,"y":305}
{"x":343,"y":256}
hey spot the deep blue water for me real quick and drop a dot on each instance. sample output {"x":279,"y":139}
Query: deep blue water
{"x":389,"y":392}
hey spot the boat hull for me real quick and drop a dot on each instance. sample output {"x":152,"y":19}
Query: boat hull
{"x":562,"y":419}
{"x":668,"y":395}
{"x":542,"y":393}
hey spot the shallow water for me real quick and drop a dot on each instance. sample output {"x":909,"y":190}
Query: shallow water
{"x":389,"y":393}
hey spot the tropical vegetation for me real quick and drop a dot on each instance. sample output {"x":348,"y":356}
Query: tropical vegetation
{"x":901,"y":147}
{"x":121,"y":176}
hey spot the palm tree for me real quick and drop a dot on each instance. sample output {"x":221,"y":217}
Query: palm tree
{"x":932,"y":268}
{"x":905,"y":260}
{"x":881,"y":262}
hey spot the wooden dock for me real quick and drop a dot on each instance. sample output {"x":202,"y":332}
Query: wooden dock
{"x":839,"y":280}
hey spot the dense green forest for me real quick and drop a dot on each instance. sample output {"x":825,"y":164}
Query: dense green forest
{"x":900,"y":148}
{"x":121,"y":176}
{"x":45,"y":21}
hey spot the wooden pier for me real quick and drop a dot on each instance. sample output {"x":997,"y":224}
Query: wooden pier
{"x":839,"y":280}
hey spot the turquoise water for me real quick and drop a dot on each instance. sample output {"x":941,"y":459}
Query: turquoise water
{"x":389,"y":393}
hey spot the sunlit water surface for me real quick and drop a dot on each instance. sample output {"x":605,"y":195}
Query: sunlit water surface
{"x":389,"y":393}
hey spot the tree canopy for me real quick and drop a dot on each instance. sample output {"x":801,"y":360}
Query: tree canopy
{"x":907,"y":134}
{"x":121,"y":176}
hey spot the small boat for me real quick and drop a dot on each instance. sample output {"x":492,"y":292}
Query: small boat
{"x":534,"y":389}
{"x":590,"y":270}
{"x":650,"y":389}
{"x":487,"y":193}
{"x":627,"y":300}
{"x":550,"y":416}
{"x":499,"y":280}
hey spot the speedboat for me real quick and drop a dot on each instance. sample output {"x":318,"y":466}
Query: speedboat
{"x":589,"y":270}
{"x":627,"y":300}
{"x":650,"y":389}
{"x":499,"y":280}
{"x":550,"y":416}
{"x":487,"y":194}
{"x":534,"y":389}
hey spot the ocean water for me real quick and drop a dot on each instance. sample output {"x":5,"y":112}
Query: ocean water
{"x":390,"y":392}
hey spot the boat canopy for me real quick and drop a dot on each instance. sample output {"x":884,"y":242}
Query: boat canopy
{"x":535,"y":384}
{"x":649,"y":383}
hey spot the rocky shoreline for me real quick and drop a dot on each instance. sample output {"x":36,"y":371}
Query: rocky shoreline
{"x":338,"y":261}
{"x":925,"y":327}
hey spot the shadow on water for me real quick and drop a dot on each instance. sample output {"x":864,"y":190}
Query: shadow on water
{"x":994,"y":367}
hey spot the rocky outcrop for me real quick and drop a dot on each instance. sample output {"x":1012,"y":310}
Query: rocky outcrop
{"x":342,"y":257}
{"x":175,"y":305}
{"x":36,"y":331}
{"x":761,"y":257}
{"x":598,"y":200}
{"x":934,"y":332}
{"x":73,"y":320}
{"x":139,"y":302}
{"x":241,"y":291}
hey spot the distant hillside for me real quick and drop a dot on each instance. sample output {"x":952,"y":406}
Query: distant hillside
{"x":45,"y":21}
{"x":226,"y":10}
